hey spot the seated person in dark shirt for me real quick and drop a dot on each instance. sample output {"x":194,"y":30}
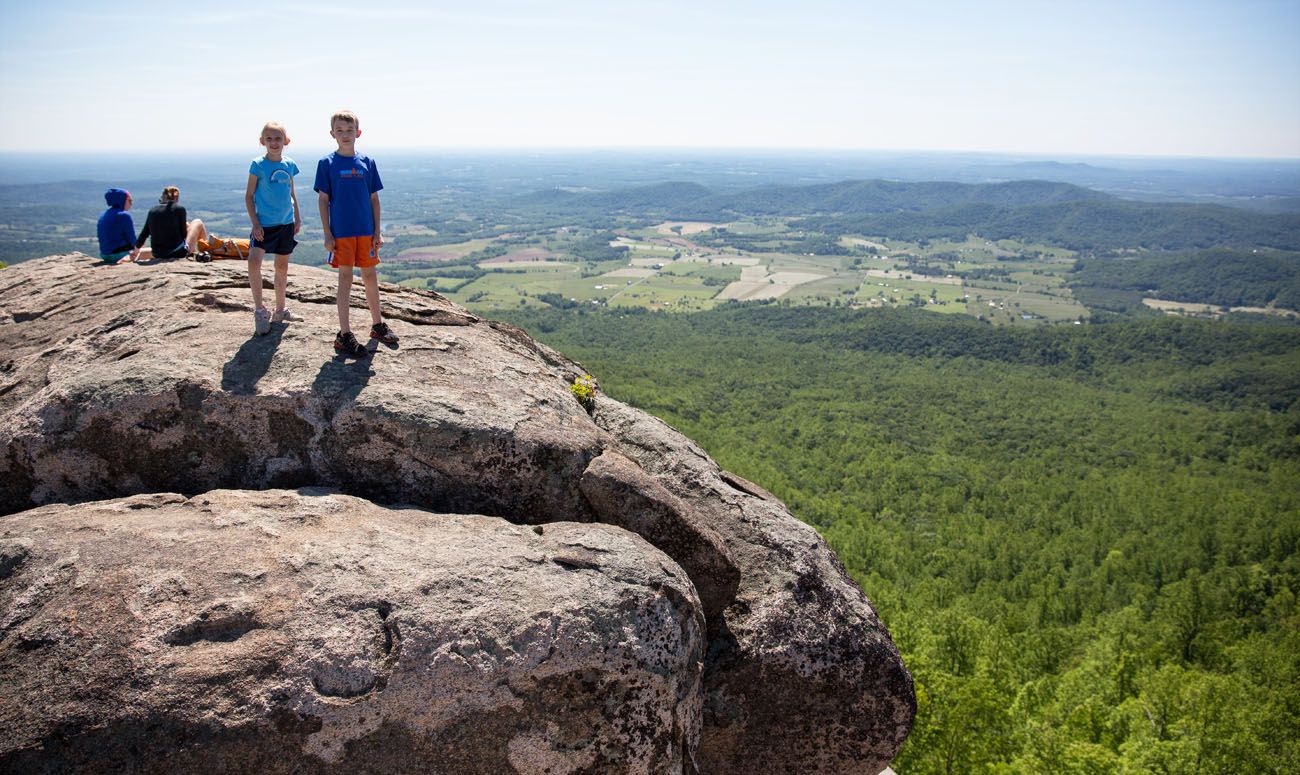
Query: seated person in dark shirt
{"x":169,"y":234}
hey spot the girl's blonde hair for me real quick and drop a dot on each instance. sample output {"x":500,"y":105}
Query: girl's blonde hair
{"x":169,"y":194}
{"x":275,"y":126}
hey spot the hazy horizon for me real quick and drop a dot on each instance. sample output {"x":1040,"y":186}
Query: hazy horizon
{"x":1157,"y":79}
{"x":302,"y":150}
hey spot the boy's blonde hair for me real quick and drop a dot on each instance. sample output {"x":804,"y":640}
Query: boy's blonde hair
{"x":169,"y":194}
{"x":345,"y":115}
{"x":275,"y":126}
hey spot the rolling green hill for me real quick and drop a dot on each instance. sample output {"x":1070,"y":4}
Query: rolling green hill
{"x":636,"y":199}
{"x":850,"y":197}
{"x":1086,"y":224}
{"x":1222,"y":277}
{"x":855,"y":197}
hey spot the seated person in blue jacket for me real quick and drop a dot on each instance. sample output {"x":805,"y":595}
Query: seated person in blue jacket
{"x":116,"y":228}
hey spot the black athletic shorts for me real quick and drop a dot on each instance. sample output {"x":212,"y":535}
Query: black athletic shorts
{"x":277,"y":240}
{"x":181,"y":251}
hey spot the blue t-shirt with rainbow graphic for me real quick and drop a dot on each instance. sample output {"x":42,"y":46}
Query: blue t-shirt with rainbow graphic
{"x":271,"y":198}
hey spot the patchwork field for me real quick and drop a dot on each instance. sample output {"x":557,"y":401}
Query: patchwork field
{"x":442,"y":252}
{"x":521,"y":256}
{"x":664,"y":267}
{"x":1211,"y":310}
{"x":630,"y":271}
{"x":685,"y":228}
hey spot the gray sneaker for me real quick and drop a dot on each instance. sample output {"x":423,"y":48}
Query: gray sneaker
{"x":261,"y":321}
{"x":285,"y":316}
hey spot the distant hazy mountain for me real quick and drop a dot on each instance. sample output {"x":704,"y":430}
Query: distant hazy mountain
{"x":848,"y":197}
{"x":883,"y":196}
{"x":1032,"y":210}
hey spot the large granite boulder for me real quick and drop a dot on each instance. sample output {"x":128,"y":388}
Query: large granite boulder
{"x":279,"y":631}
{"x":144,"y":379}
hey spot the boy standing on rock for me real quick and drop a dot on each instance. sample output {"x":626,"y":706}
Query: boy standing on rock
{"x":348,"y":186}
{"x":273,"y":208}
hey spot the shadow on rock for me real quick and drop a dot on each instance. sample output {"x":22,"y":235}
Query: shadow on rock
{"x":342,"y":378}
{"x":242,"y":372}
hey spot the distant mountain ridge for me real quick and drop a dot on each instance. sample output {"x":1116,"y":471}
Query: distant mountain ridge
{"x":1031,"y":210}
{"x":849,"y":197}
{"x":657,"y":196}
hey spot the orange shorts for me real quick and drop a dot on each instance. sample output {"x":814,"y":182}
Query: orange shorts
{"x":354,"y":251}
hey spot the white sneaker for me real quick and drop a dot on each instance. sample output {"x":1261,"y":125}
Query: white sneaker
{"x":261,"y":321}
{"x":285,"y":316}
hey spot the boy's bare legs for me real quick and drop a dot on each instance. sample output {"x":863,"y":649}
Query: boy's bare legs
{"x":379,"y":330}
{"x":346,"y":343}
{"x":195,"y":231}
{"x":370,"y":278}
{"x":345,"y":298}
{"x":281,"y":281}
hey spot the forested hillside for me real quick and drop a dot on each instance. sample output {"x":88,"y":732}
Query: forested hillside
{"x":1226,"y":278}
{"x":1084,"y":225}
{"x":1086,"y":540}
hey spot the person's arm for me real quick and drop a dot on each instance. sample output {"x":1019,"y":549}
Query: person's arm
{"x":251,"y":205}
{"x":144,"y":234}
{"x":297,"y":214}
{"x":127,"y":230}
{"x":323,"y":200}
{"x":376,"y":185}
{"x":322,"y":187}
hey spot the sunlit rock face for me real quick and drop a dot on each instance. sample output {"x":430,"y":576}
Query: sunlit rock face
{"x":433,"y":558}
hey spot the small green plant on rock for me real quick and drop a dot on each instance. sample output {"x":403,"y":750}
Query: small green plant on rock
{"x":584,"y":389}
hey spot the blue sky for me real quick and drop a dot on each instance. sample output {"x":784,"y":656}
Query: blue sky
{"x":1145,"y":77}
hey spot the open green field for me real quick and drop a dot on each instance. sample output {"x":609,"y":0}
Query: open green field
{"x":442,"y":252}
{"x":760,"y":226}
{"x":510,"y":288}
{"x":897,"y":292}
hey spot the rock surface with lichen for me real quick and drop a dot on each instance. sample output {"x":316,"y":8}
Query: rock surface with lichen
{"x":307,"y":631}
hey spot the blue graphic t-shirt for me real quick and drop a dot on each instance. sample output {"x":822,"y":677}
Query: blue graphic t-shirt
{"x":271,"y":198}
{"x":349,"y":181}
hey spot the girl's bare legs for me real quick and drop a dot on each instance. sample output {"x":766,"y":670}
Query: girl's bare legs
{"x":281,"y":281}
{"x":255,"y":276}
{"x":195,"y":231}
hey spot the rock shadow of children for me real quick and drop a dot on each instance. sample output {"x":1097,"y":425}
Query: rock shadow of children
{"x":343,"y":379}
{"x":250,"y":363}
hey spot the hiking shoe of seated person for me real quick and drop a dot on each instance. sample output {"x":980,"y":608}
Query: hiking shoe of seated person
{"x":261,"y":321}
{"x":285,"y":316}
{"x":347,"y":344}
{"x":383,"y":333}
